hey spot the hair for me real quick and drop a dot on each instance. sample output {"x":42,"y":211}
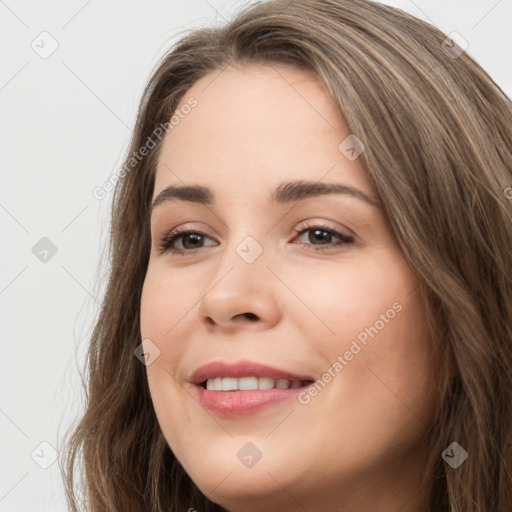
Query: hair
{"x":438,"y":136}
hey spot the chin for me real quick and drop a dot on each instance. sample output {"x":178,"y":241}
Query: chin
{"x":225,"y":479}
{"x":249,"y":492}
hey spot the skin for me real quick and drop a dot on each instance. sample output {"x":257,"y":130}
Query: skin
{"x":359,"y":444}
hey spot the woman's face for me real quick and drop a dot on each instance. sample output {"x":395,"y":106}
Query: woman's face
{"x":312,"y":285}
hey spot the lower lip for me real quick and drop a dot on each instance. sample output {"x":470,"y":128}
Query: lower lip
{"x":243,"y":403}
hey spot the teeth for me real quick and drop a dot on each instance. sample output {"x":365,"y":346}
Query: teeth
{"x":214,"y":384}
{"x":283,"y":384}
{"x":228,"y":384}
{"x":266,"y":383}
{"x":249,"y":383}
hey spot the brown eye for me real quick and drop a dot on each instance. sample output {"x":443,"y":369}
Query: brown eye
{"x":190,"y":241}
{"x":324,"y":235}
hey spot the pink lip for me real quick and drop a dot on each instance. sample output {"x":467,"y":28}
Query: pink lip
{"x":242,"y":403}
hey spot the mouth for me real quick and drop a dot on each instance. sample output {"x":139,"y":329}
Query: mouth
{"x":251,"y":383}
{"x":244,"y":388}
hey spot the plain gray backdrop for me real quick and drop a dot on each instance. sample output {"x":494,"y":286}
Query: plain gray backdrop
{"x":70,"y":80}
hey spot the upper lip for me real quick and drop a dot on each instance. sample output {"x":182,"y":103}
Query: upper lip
{"x":242,"y":369}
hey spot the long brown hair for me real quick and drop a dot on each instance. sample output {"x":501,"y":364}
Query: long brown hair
{"x":438,"y":137}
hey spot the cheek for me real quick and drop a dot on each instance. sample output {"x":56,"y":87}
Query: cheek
{"x":374,"y":320}
{"x":388,"y":379}
{"x":347,"y":299}
{"x":167,"y":297}
{"x":164,"y":306}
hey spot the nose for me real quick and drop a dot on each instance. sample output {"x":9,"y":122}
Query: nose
{"x":240,"y":295}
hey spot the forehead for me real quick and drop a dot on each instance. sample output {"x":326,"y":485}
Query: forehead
{"x":256,"y":126}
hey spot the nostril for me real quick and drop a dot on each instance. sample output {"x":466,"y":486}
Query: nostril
{"x":243,"y":316}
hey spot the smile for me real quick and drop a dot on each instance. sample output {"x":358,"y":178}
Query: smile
{"x":244,"y":388}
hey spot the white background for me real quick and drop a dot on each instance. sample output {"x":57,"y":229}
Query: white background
{"x":65,"y":125}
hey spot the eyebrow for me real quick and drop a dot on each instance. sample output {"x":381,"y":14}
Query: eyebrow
{"x":289,"y":192}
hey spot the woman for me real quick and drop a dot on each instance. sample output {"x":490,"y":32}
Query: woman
{"x":310,"y":298}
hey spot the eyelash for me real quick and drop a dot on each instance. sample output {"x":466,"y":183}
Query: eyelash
{"x":168,"y":240}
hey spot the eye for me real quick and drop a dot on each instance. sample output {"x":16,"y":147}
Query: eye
{"x":191,"y":240}
{"x":324,"y":235}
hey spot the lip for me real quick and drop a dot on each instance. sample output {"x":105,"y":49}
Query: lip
{"x":242,"y":403}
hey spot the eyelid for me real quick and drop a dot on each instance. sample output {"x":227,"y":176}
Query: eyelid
{"x":323,"y":224}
